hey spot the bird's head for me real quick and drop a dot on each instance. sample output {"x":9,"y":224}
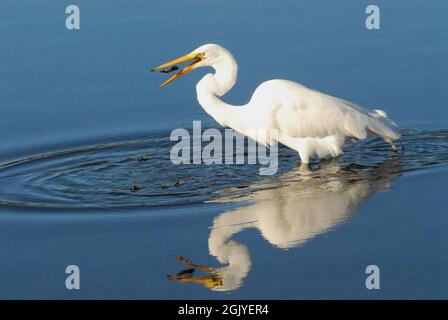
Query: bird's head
{"x":204,"y":56}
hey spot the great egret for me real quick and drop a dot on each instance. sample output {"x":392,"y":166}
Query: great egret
{"x":308,"y":121}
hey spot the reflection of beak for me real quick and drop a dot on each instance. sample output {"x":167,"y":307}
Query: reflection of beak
{"x":210,"y":282}
{"x":196,"y":57}
{"x":213,"y":279}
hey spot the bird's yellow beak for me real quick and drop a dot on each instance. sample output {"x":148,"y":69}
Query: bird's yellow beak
{"x":196,"y":57}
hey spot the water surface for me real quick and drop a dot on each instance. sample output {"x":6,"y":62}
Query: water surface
{"x":85,"y":176}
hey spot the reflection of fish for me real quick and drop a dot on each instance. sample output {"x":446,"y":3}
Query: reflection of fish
{"x":308,"y":203}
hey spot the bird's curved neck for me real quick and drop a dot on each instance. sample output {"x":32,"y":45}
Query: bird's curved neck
{"x":214,"y":85}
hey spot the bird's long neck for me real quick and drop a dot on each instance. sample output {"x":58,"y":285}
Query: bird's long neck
{"x":213,"y":86}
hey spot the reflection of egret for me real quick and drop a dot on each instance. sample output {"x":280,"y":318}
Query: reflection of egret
{"x":308,"y":121}
{"x":309,"y":203}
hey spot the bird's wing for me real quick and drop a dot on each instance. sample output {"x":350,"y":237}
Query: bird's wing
{"x":315,"y":114}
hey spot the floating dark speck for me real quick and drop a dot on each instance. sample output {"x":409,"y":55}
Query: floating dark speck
{"x":135,"y":188}
{"x":164,"y":186}
{"x":179,"y":183}
{"x":143,"y":158}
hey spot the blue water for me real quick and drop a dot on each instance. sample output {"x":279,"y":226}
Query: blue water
{"x":80,"y":108}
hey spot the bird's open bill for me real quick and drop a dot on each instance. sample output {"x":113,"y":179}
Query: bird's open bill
{"x":196,"y":57}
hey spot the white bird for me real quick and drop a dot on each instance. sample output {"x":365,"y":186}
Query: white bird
{"x":310,"y":122}
{"x":306,"y":204}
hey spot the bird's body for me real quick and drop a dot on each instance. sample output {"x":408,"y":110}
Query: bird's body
{"x":308,"y":121}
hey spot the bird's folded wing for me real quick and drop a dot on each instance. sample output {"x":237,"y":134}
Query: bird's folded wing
{"x":323,"y":115}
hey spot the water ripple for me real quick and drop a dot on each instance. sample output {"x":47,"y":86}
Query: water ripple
{"x":139,"y":173}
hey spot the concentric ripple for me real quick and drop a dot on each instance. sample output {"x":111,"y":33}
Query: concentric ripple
{"x":139,"y":173}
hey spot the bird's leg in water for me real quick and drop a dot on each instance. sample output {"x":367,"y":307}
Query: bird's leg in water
{"x":401,"y":147}
{"x":391,"y":143}
{"x":304,"y":167}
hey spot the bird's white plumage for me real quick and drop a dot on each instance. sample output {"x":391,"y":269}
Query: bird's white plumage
{"x":308,"y":121}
